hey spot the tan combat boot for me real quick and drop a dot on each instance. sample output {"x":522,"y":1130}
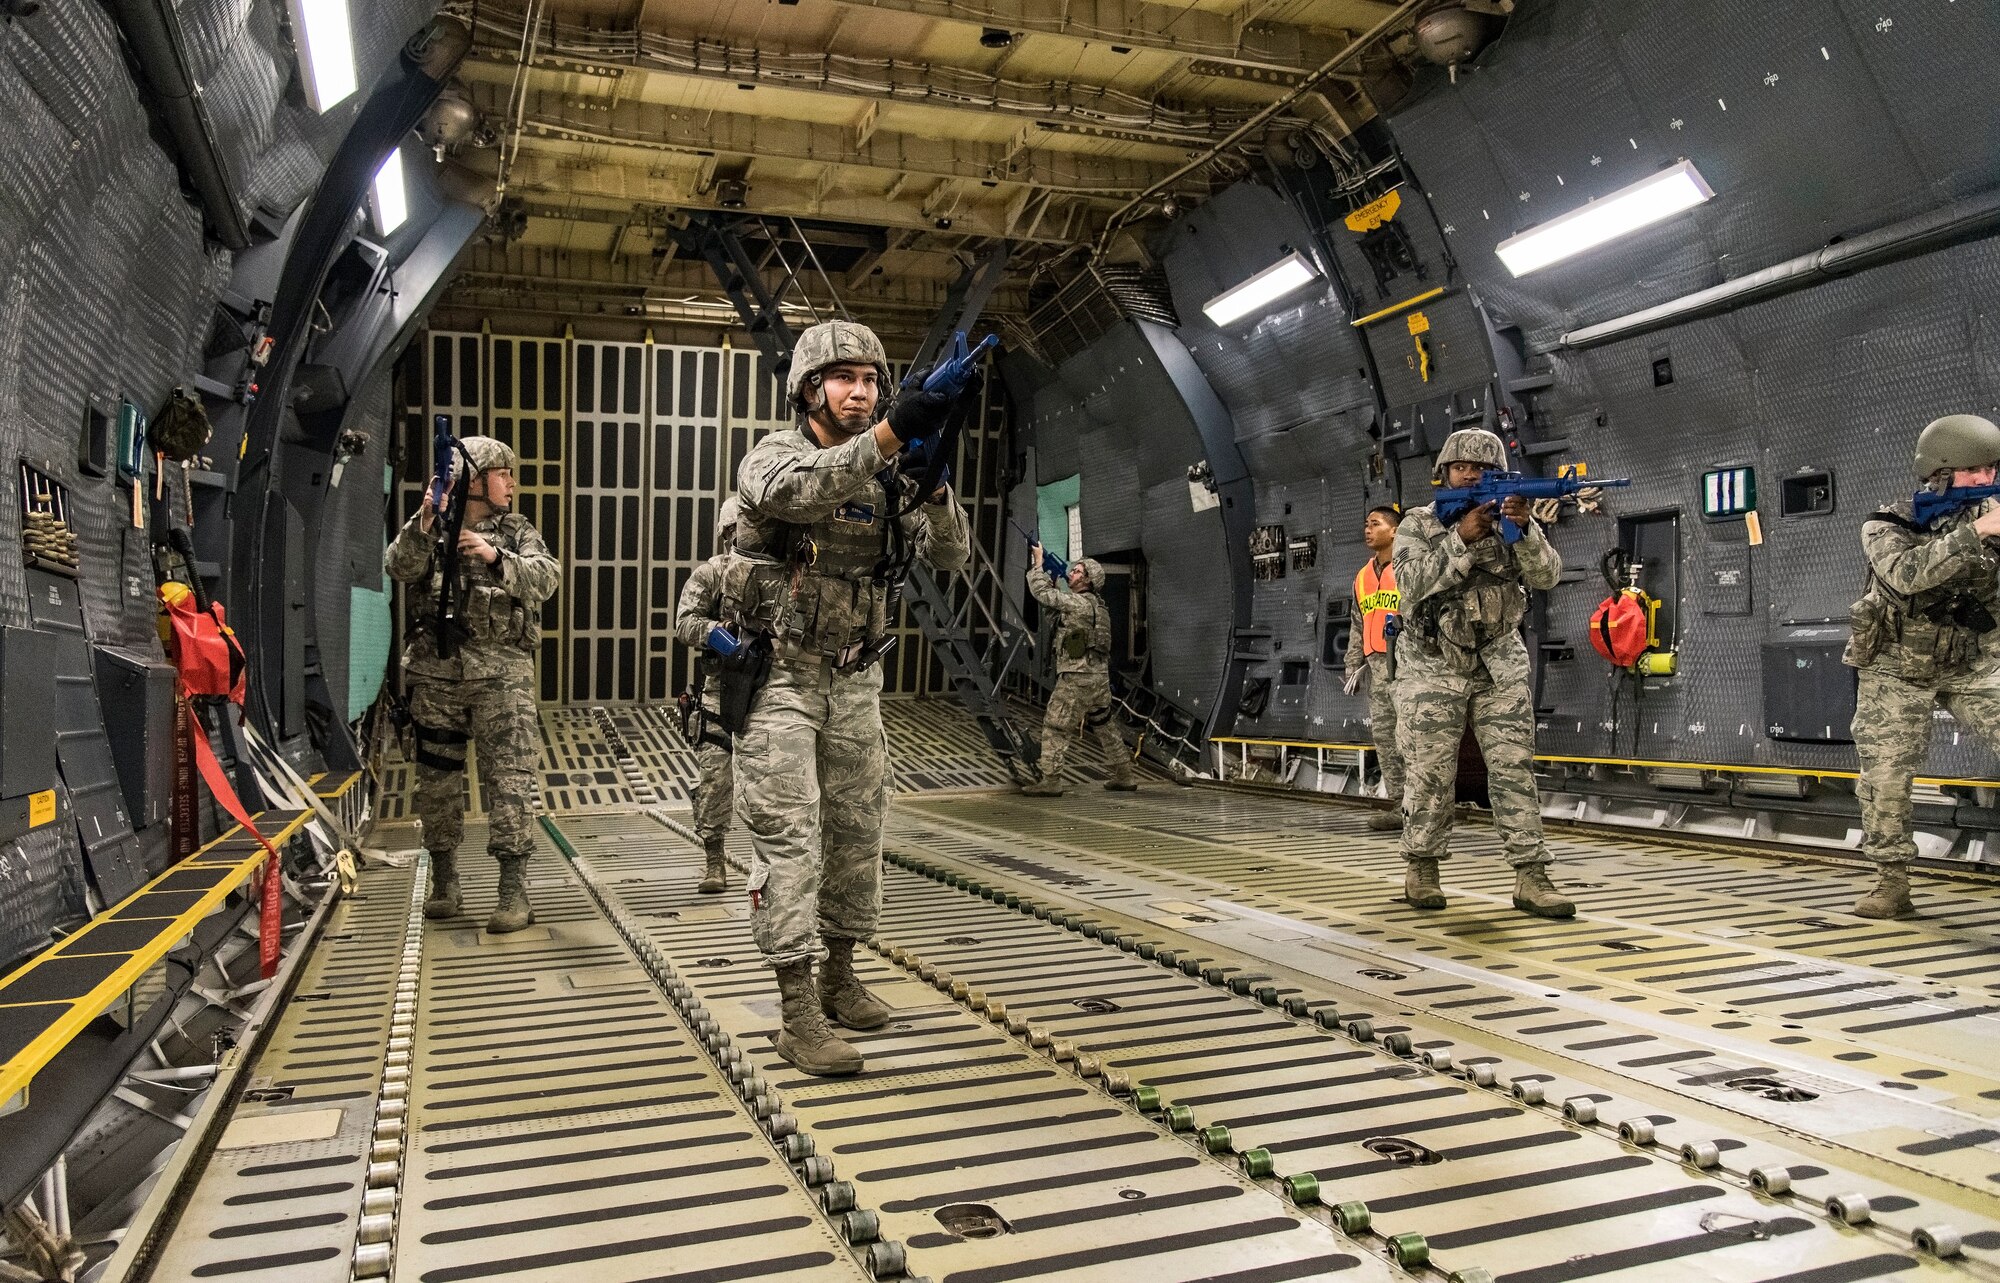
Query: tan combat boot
{"x":715,"y":878}
{"x":843,"y":999}
{"x":1420,"y":882}
{"x":1891,"y":896}
{"x":805,"y":1040}
{"x":1044,"y":787}
{"x":443,"y":899}
{"x":1386,"y":821}
{"x":1121,"y":786}
{"x":512,"y":912}
{"x":1534,"y":893}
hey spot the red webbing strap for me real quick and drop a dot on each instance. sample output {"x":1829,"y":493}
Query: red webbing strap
{"x":271,"y":906}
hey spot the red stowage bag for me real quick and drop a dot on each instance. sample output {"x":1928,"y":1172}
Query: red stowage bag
{"x":1618,"y":629}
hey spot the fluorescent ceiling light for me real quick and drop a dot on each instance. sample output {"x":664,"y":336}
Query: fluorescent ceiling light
{"x":1261,"y":290}
{"x":391,"y":203}
{"x":326,"y":51}
{"x":1648,"y":201}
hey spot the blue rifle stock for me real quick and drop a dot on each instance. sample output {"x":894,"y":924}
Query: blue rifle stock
{"x":1931,"y":505}
{"x":1495,"y":486}
{"x":1056,"y":566}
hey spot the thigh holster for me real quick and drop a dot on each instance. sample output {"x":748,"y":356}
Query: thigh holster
{"x":440,"y":750}
{"x":1097,"y":717}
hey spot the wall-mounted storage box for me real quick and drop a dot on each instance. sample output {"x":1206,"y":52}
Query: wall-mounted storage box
{"x":1808,"y":692}
{"x":136,"y":693}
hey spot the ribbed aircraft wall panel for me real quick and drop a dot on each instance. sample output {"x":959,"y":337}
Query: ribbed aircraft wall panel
{"x":350,"y":539}
{"x":1188,"y":616}
{"x":1113,"y":515}
{"x":1804,"y":138}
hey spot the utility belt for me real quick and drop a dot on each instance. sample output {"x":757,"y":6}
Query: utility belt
{"x":851,"y":658}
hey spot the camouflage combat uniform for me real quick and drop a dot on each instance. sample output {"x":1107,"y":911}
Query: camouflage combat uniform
{"x":698,"y":611}
{"x":812,"y":760}
{"x":1917,"y":642}
{"x":1081,"y":700}
{"x":485,"y":691}
{"x":1460,"y":656}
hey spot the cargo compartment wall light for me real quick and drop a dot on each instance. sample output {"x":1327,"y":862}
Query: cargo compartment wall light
{"x":1260,"y":291}
{"x":1651,"y":200}
{"x":326,"y":51}
{"x":391,"y":204}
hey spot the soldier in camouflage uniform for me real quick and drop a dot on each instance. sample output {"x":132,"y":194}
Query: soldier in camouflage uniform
{"x":825,"y":529}
{"x":485,"y":691}
{"x":1082,"y":697}
{"x":698,"y":611}
{"x":1460,"y":656}
{"x":1371,"y":654}
{"x":1923,"y":634}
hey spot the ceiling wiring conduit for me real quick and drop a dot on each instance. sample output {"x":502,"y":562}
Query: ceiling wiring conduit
{"x":153,"y":28}
{"x":1970,"y":219}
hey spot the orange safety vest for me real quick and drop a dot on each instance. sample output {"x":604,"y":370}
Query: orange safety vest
{"x":1376,"y":597}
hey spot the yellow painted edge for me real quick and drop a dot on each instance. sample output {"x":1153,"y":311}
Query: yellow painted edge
{"x":346,"y":787}
{"x":1394,"y":308}
{"x":22,"y":1067}
{"x":1809,"y":771}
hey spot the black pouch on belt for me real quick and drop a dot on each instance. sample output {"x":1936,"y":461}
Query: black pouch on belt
{"x":742,"y":676}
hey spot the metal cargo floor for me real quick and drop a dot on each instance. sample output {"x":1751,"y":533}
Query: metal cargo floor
{"x":1185,"y":1035}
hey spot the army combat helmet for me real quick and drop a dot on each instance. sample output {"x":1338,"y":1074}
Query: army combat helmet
{"x":1093,"y":571}
{"x":831,"y":343}
{"x":725,"y":522}
{"x":1470,"y":445}
{"x":1956,"y":441}
{"x":486,"y":454}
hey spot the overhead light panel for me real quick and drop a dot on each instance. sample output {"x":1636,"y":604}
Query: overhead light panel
{"x":1651,"y":200}
{"x":326,"y":51}
{"x":1289,"y":273}
{"x":391,"y":203}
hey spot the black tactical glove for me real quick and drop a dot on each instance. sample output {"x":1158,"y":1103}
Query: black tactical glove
{"x":917,"y":413}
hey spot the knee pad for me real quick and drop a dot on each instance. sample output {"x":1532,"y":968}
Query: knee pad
{"x":1097,"y":717}
{"x":440,"y":750}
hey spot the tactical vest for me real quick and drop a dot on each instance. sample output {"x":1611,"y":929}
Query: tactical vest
{"x":492,"y":618}
{"x":1089,"y":642}
{"x":1375,"y":596}
{"x":1488,"y":606}
{"x":1925,"y":635}
{"x":823,"y":587}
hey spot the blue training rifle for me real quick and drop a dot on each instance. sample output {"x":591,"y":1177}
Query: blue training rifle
{"x":1056,"y":566}
{"x":1495,"y":486}
{"x":1931,"y":505}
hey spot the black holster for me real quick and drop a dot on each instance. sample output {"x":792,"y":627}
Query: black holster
{"x":741,"y":676}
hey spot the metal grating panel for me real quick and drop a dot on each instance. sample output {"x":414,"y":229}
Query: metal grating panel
{"x":687,"y":482}
{"x":607,"y":506}
{"x":527,"y":398}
